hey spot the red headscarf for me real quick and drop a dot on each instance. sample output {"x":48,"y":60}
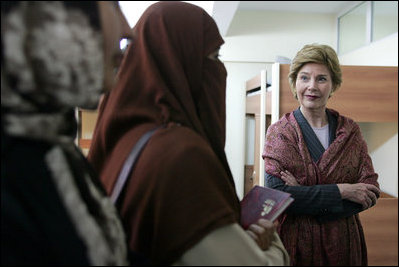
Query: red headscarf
{"x":181,"y":187}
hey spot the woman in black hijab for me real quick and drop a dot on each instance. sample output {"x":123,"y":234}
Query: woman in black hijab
{"x":55,"y":56}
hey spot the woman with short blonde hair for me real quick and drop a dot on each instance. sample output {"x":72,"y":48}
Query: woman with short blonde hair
{"x":321,"y":159}
{"x":316,"y":53}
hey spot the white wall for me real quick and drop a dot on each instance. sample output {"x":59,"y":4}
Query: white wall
{"x":238,"y":74}
{"x":257,"y":37}
{"x":382,"y":142}
{"x":262,"y":35}
{"x":383,"y":52}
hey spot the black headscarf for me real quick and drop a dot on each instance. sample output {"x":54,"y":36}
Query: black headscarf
{"x":52,"y":62}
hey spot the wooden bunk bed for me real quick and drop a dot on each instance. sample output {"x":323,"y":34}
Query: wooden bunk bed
{"x":367,"y":94}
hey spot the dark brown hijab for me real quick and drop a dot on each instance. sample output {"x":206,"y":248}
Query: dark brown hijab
{"x":181,"y":187}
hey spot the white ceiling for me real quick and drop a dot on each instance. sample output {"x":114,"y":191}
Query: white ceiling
{"x":224,"y":11}
{"x":329,"y":7}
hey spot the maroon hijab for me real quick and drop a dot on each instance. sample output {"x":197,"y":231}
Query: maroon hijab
{"x":166,"y":77}
{"x":181,"y":187}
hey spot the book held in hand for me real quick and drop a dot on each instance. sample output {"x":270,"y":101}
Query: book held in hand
{"x":263,"y":202}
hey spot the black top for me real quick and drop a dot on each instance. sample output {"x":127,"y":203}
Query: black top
{"x":35,"y":226}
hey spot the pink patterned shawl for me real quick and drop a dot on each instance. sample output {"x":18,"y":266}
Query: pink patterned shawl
{"x":309,"y":242}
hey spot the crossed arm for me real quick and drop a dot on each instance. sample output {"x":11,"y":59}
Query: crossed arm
{"x":325,"y":202}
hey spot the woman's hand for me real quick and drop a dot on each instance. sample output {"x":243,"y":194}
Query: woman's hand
{"x":262,"y":232}
{"x":288,"y":178}
{"x":364,"y":194}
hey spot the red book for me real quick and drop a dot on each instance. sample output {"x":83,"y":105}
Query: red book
{"x":263,"y":202}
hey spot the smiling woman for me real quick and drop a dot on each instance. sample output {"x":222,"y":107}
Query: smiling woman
{"x":321,"y":159}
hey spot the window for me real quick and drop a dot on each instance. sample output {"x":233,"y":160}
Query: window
{"x":385,"y":19}
{"x":367,"y":22}
{"x":353,"y":29}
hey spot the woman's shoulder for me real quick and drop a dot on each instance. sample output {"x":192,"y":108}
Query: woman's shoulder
{"x":180,"y":137}
{"x":177,"y":143}
{"x":285,"y":124}
{"x":344,"y":121}
{"x":179,"y":151}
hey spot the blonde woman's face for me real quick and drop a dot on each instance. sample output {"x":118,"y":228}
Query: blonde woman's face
{"x":313,"y":86}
